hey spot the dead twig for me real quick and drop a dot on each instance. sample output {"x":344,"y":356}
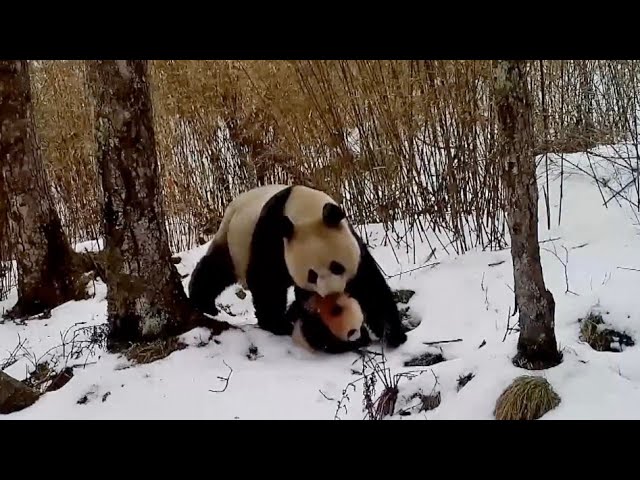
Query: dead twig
{"x":45,"y":371}
{"x":509,"y":328}
{"x":224,"y":379}
{"x":565,"y":264}
{"x":376,"y":406}
{"x":485,"y":289}
{"x":325,"y":396}
{"x":541,"y":242}
{"x":13,"y":358}
{"x":414,"y":269}
{"x":425,"y":402}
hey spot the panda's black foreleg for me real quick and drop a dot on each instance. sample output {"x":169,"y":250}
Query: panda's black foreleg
{"x":371,"y":290}
{"x":211,"y":276}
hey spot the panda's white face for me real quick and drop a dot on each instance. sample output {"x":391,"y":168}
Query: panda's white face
{"x":322,"y":259}
{"x":326,"y":281}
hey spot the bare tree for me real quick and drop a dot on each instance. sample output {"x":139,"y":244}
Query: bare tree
{"x":146,"y":299}
{"x":48,"y":272}
{"x":537,"y":348}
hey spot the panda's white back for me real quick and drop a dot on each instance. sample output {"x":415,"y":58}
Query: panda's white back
{"x":238,"y":224}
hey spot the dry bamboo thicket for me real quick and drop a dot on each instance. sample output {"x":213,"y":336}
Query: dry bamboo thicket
{"x":407,"y":144}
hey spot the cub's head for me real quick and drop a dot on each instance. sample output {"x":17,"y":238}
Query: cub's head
{"x":321,"y":254}
{"x":341,"y":314}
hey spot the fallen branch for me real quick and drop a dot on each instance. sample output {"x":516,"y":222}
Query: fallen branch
{"x":629,"y":268}
{"x":582,"y":245}
{"x":442,"y":341}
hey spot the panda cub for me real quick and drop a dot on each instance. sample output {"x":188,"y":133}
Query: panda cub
{"x":273,"y":237}
{"x":333,"y":324}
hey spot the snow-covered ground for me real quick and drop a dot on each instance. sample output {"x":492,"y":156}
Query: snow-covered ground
{"x":460,"y":298}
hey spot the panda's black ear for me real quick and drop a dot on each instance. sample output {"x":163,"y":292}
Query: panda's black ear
{"x":332,"y":214}
{"x":286,"y":227}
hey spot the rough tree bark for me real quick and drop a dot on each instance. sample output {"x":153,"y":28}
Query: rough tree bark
{"x":537,"y":348}
{"x":48,"y":272}
{"x":145,"y":296}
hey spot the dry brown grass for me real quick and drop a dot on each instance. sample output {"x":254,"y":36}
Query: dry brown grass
{"x":408,"y":144}
{"x":527,"y":398}
{"x":64,"y":125}
{"x":150,"y":352}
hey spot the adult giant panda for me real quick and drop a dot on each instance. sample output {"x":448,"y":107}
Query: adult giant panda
{"x":276,"y":236}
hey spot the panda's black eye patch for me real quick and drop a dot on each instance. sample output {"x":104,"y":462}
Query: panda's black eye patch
{"x":336,"y":268}
{"x":336,"y":310}
{"x":312,"y":277}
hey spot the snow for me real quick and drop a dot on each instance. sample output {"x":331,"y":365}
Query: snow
{"x":462,"y":297}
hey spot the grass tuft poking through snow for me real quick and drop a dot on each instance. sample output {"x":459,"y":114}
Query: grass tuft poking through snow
{"x":594,"y":331}
{"x":527,"y":398}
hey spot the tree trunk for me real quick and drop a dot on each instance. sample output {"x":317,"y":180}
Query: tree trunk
{"x":537,"y":347}
{"x":145,"y":296}
{"x":5,"y":245}
{"x":47,"y":273}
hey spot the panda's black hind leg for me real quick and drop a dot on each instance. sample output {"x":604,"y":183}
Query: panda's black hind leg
{"x":270,"y":305}
{"x":371,"y":290}
{"x":211,"y":276}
